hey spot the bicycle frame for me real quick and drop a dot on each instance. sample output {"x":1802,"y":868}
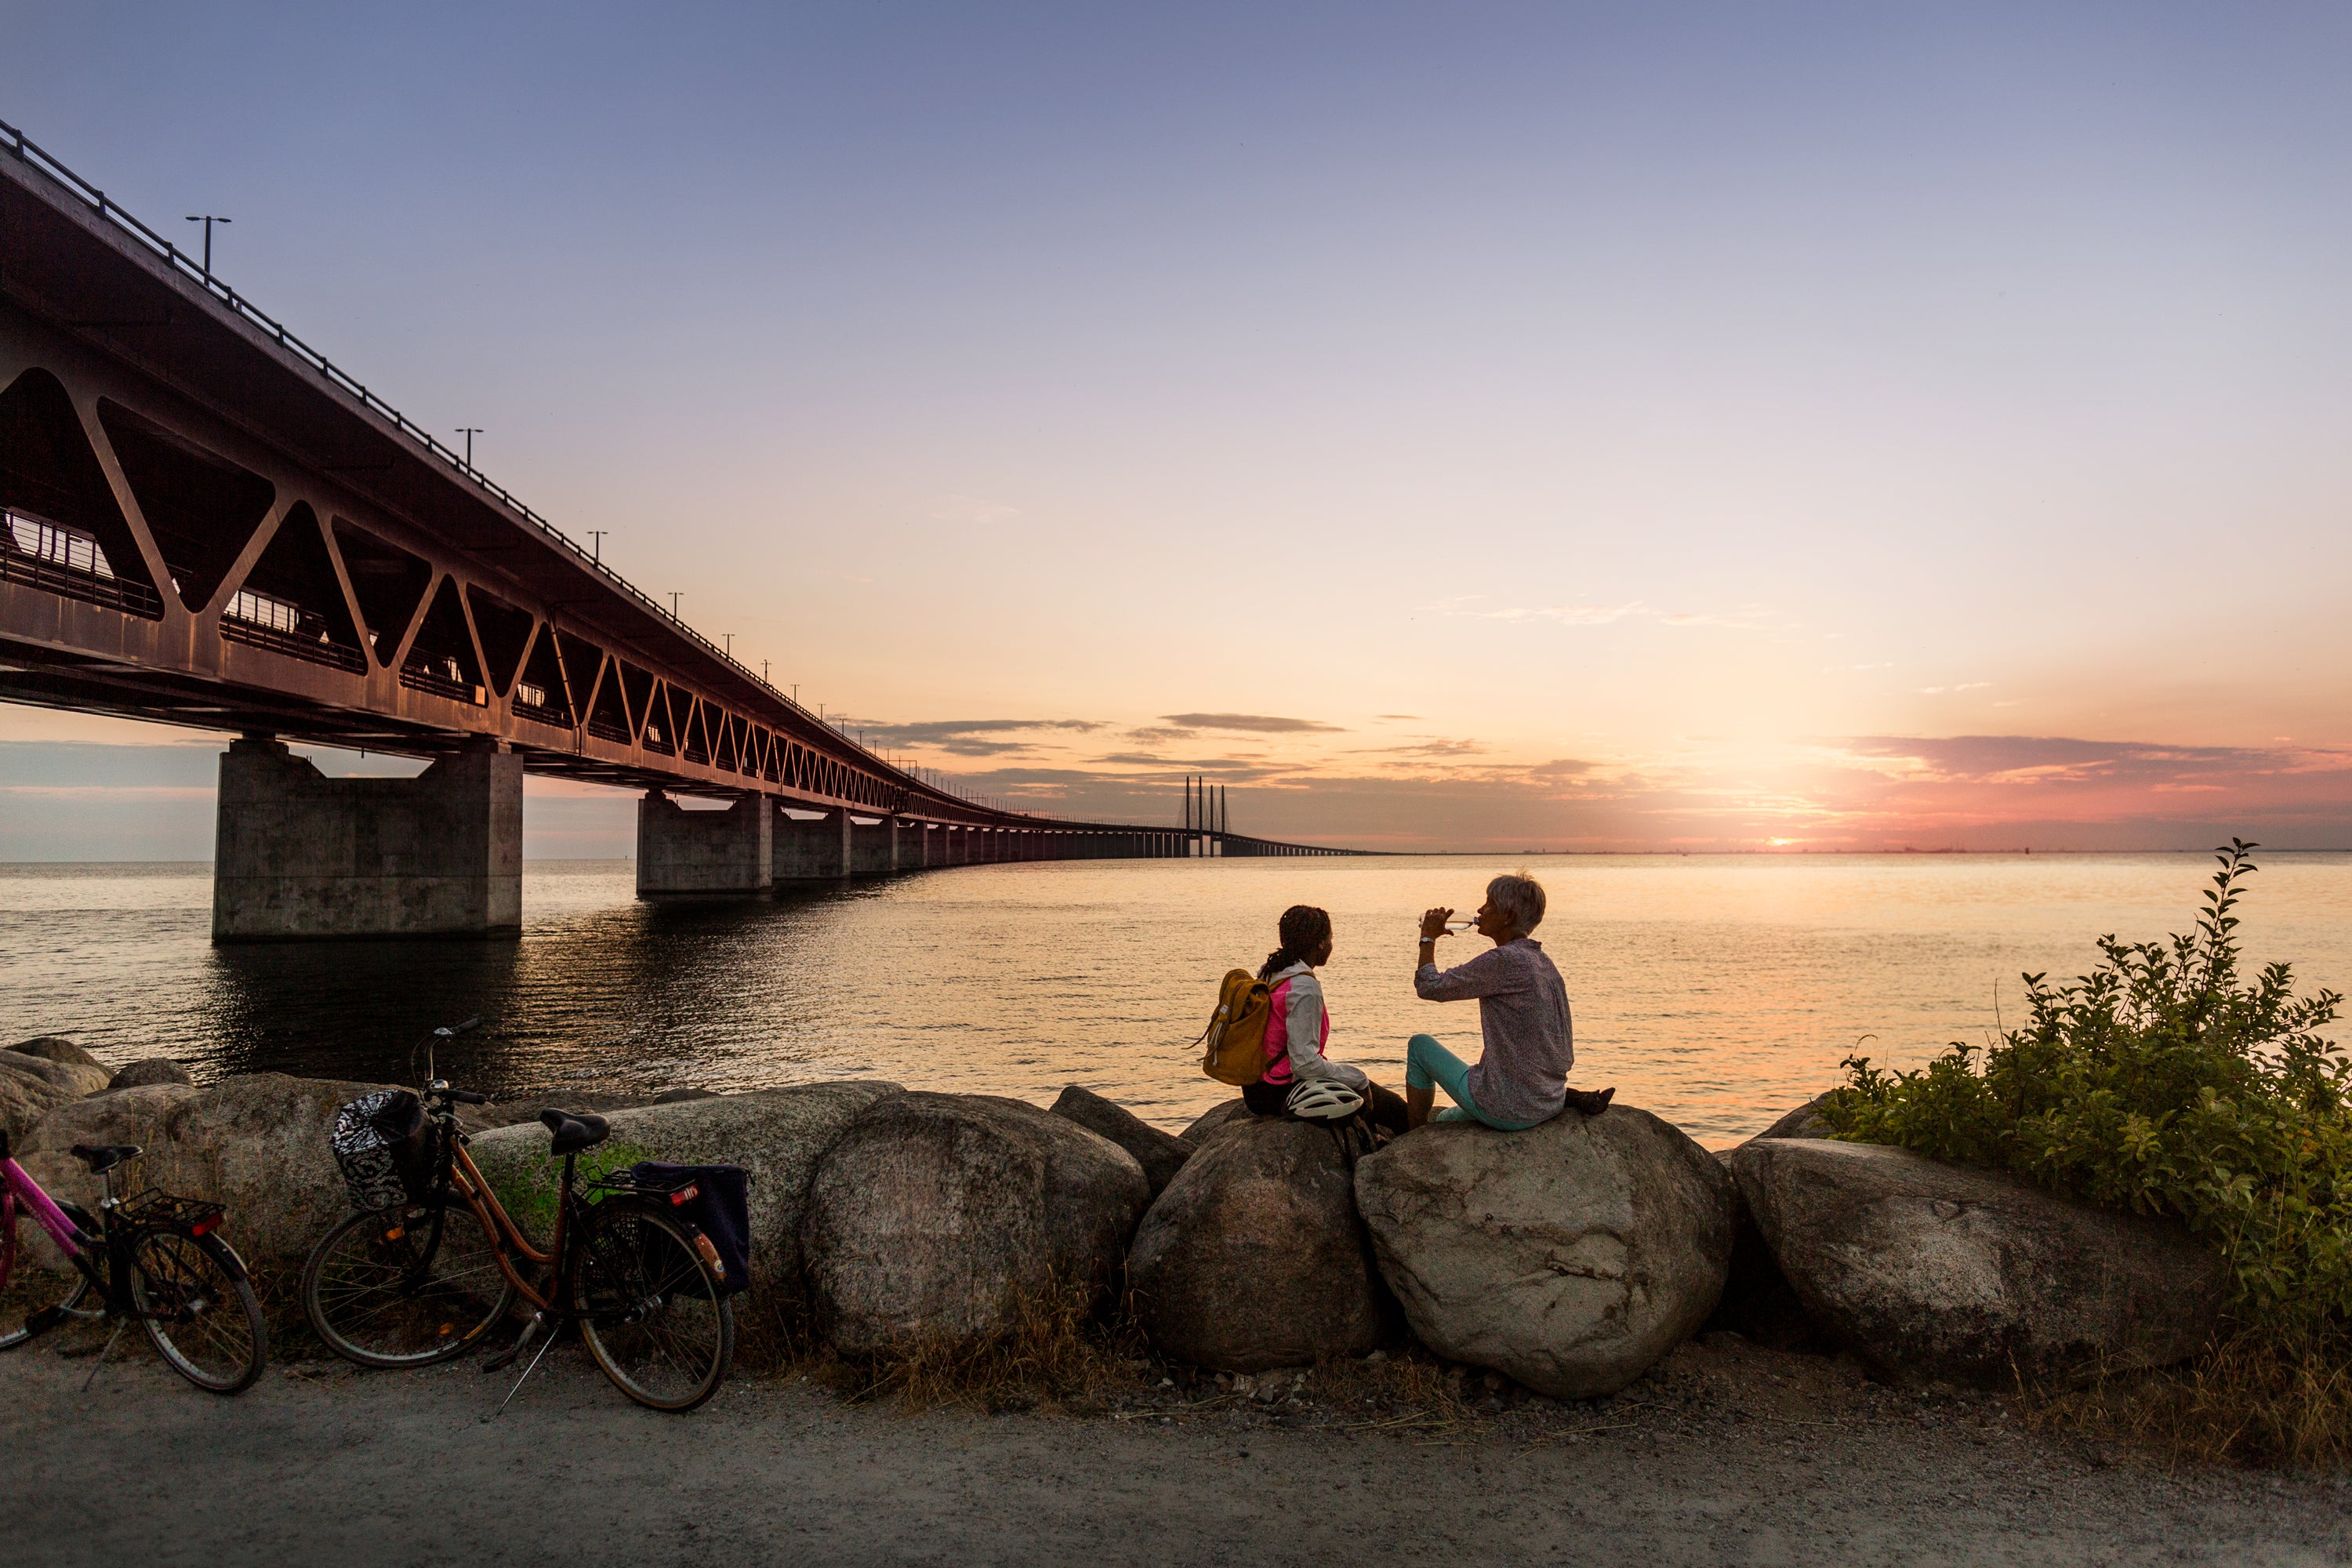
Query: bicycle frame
{"x":16,"y":1186}
{"x":506,"y":1239}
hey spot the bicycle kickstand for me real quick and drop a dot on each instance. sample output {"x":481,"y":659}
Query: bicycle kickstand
{"x":97,"y":1365}
{"x":538,"y":1321}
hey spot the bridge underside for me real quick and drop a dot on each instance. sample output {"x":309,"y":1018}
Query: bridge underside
{"x":203,"y":523}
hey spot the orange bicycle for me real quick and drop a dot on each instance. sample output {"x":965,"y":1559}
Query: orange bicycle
{"x":421,"y":1281}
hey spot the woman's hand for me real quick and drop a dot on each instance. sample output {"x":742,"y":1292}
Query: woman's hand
{"x":1433,"y":923}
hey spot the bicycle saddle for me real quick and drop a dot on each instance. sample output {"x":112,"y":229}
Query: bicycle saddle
{"x":573,"y":1131}
{"x":104,"y":1157}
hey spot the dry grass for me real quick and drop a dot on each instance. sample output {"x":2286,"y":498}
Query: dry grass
{"x":1054,"y":1354}
{"x":2246,"y":1401}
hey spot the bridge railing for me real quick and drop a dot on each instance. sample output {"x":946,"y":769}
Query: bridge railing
{"x":16,"y":143}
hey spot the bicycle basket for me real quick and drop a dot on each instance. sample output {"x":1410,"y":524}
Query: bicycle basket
{"x":714,"y":1199}
{"x":387,"y":1148}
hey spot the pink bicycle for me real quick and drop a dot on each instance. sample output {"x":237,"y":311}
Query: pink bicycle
{"x":153,"y":1259}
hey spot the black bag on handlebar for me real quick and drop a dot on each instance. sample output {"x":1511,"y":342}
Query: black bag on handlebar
{"x":389,"y":1149}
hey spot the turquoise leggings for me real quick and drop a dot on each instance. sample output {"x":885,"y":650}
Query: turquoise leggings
{"x":1430,"y":1065}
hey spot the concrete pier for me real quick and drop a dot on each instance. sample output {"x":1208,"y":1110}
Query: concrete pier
{"x":811,"y":851}
{"x":297,"y":854}
{"x":871,"y":849}
{"x":682,"y":853}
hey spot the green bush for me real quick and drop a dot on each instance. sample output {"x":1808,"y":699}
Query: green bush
{"x":2162,"y":1082}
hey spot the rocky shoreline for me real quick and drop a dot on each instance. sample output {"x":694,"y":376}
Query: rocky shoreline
{"x":1564,"y":1263}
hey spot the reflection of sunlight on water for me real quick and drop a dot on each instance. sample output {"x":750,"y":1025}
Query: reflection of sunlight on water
{"x":1714,"y":991}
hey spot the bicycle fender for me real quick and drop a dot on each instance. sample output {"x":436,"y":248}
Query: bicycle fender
{"x":230,"y":1255}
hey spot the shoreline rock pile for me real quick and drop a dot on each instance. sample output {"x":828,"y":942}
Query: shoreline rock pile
{"x":1572,"y":1258}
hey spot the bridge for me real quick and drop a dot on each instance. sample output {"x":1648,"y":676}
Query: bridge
{"x":206,"y":522}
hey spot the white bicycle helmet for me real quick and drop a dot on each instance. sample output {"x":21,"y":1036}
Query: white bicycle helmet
{"x":1323,"y":1099}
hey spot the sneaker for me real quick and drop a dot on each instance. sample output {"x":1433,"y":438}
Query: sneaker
{"x":1591,"y":1101}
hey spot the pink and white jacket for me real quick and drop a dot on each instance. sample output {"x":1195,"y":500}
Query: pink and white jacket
{"x":1297,"y":1033}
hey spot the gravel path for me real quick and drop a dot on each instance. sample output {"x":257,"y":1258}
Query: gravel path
{"x":1734,"y":1455}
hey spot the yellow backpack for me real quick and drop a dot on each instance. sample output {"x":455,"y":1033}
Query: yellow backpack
{"x":1235,"y":1038}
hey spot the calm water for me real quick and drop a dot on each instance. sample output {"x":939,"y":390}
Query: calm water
{"x":1714,"y":991}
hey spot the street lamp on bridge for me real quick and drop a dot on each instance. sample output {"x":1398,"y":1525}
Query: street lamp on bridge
{"x":207,"y":219}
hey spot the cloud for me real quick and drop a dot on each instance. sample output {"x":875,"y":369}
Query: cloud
{"x":1154,"y":735}
{"x":1747,"y":618}
{"x":971,"y":737}
{"x":1406,"y":717}
{"x":1964,"y":686}
{"x":1254,"y":724}
{"x":974,"y":511}
{"x":1426,"y":747}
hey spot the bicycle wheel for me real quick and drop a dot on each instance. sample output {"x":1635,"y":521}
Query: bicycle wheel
{"x":382,"y":1291}
{"x":76,"y":1301}
{"x":648,"y":1311}
{"x":199,"y":1310}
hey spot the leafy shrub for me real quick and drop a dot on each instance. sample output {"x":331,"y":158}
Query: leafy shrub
{"x":2165,"y":1083}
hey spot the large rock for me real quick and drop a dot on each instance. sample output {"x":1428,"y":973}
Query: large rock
{"x":777,"y":1135}
{"x":1932,"y":1272}
{"x":257,"y":1143}
{"x":1569,"y":1256}
{"x":1214,"y":1120}
{"x":148,"y":1072}
{"x":935,"y":1217}
{"x":1162,"y":1154}
{"x":57,"y":1048}
{"x":72,"y":1079}
{"x":1253,"y":1257}
{"x":1805,"y":1121}
{"x":26,"y":1097}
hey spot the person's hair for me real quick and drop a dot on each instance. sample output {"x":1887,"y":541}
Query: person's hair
{"x":1304,"y":928}
{"x":1519,"y":895}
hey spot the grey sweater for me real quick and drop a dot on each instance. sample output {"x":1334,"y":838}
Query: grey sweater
{"x":1523,"y":1014}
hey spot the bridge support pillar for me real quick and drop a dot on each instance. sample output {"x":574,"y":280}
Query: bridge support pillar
{"x":807,"y":851}
{"x":297,"y":854}
{"x":682,"y":852}
{"x":872,"y":850}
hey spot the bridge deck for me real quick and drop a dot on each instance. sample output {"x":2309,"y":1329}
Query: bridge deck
{"x":208,"y":524}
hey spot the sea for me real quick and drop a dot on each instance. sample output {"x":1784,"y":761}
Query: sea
{"x":1716,"y":991}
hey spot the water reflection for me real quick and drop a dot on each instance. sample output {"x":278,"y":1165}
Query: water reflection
{"x":1715,"y":992}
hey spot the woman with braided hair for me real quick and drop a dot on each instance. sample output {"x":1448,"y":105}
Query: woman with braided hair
{"x":1301,"y":1024}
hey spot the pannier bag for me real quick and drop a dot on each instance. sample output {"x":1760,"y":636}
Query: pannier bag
{"x":387,"y":1147}
{"x":1235,"y":1038}
{"x":720,"y":1207}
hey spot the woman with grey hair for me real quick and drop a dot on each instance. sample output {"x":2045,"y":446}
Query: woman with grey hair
{"x":1521,"y":1078}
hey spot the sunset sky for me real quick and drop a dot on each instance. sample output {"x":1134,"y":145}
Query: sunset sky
{"x":1490,"y":427}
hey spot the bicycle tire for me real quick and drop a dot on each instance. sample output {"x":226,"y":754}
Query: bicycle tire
{"x":199,"y":1310}
{"x":359,"y":1292}
{"x":77,"y":1290}
{"x":648,"y":1311}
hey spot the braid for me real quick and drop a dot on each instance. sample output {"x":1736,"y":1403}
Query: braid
{"x":1304,"y":928}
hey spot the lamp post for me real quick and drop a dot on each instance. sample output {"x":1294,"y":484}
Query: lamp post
{"x":207,"y":219}
{"x":470,"y":432}
{"x":597,"y":534}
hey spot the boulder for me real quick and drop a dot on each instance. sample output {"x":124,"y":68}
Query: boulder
{"x":1254,"y":1258}
{"x":57,"y":1048}
{"x":777,"y":1135}
{"x":1935,"y":1271}
{"x":938,"y":1218}
{"x":26,"y":1097}
{"x":1162,"y":1154}
{"x":152,"y":1070}
{"x":1757,"y":1301}
{"x":74,"y":1079}
{"x":1569,"y":1256}
{"x":257,"y":1143}
{"x":1805,"y":1121}
{"x":1212,"y":1118}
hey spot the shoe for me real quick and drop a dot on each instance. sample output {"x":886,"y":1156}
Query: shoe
{"x":1591,"y":1101}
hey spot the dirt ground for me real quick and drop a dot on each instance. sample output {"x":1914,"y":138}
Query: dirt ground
{"x":1728,"y":1454}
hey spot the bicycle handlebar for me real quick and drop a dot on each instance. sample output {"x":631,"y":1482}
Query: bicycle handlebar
{"x":460,"y":1029}
{"x":462,"y":1097}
